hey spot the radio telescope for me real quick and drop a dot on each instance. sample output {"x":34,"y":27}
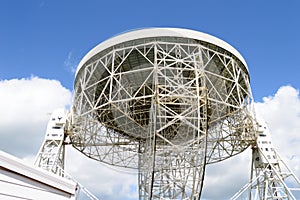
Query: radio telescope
{"x":167,"y":102}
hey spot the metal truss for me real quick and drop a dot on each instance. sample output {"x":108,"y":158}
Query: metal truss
{"x":166,"y":106}
{"x":270,"y":178}
{"x":52,"y":152}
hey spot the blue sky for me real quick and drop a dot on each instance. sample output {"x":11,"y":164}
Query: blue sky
{"x":41,"y":43}
{"x":48,"y":38}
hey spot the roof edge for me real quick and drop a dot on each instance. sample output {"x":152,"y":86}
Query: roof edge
{"x":18,"y":166}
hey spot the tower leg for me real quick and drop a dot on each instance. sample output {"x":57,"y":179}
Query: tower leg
{"x":173,"y":170}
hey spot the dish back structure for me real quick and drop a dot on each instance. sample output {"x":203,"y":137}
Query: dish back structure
{"x":165,"y":101}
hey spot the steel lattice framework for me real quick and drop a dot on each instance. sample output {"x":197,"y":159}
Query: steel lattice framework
{"x":164,"y":101}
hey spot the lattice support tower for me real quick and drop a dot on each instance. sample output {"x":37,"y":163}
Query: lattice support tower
{"x":271,"y":178}
{"x":51,"y":155}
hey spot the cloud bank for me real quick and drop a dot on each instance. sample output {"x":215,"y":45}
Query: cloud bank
{"x":26,"y":104}
{"x":25,"y":108}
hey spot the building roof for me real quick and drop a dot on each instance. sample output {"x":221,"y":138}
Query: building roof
{"x":17,"y":166}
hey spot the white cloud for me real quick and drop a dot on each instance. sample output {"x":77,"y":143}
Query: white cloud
{"x":25,"y":104}
{"x":222,"y":180}
{"x":25,"y":107}
{"x":282,"y":113}
{"x":102,"y":180}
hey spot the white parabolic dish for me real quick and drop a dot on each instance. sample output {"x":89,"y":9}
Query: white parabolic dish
{"x":160,"y":32}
